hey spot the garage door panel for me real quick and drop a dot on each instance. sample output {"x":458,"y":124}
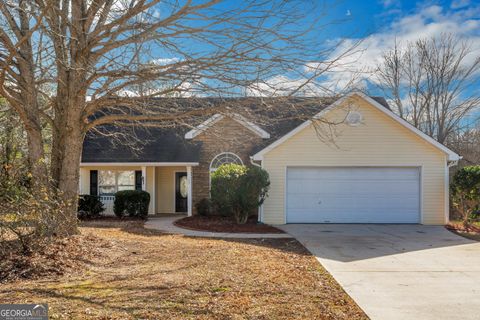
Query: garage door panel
{"x":361,"y":205}
{"x":342,"y":190}
{"x":353,"y":195}
{"x":353,"y":173}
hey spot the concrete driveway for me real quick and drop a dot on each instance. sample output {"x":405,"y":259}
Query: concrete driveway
{"x":399,"y":271}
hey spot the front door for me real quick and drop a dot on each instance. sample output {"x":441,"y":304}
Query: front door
{"x":181,"y":192}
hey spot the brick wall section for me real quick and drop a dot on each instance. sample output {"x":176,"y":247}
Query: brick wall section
{"x":226,"y":135}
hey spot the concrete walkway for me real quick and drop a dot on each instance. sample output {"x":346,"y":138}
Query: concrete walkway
{"x":165,"y":224}
{"x":399,"y":271}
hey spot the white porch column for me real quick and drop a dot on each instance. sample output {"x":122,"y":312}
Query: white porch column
{"x":144,"y":178}
{"x":80,"y":182}
{"x":154,"y":191}
{"x":189,"y":193}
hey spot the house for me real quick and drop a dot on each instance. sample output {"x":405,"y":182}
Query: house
{"x":376,"y":168}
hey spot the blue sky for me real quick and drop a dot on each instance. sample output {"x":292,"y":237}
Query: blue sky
{"x":366,"y":17}
{"x":379,"y":22}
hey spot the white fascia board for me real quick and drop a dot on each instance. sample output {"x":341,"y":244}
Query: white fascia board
{"x":203,"y":126}
{"x":452,"y":156}
{"x":217,"y":117}
{"x":136,"y":164}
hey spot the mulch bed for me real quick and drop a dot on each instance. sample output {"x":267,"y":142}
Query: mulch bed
{"x":471,"y":232}
{"x":224,"y":224}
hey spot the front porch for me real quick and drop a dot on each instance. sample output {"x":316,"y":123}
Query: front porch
{"x":169,"y":184}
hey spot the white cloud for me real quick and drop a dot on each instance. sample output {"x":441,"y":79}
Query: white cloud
{"x":283,"y":85}
{"x":184,"y":89}
{"x":428,"y":22}
{"x":165,"y":61}
{"x":352,"y":68}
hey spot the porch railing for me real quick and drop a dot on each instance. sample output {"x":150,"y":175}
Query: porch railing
{"x":108,"y":201}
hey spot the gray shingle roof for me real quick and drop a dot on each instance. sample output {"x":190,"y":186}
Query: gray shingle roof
{"x":152,"y":144}
{"x":139,"y":145}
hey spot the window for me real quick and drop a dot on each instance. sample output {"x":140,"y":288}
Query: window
{"x":224,"y":158}
{"x":110,"y":181}
{"x":125,"y":180}
{"x":106,"y":182}
{"x":184,"y":186}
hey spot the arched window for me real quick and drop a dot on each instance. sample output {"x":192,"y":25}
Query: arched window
{"x":223,"y":158}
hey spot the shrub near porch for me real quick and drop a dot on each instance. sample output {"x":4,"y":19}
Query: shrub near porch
{"x":239,"y":190}
{"x":132,"y":202}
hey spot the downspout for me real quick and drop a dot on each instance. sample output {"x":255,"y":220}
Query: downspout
{"x":254,"y":163}
{"x":452,"y":163}
{"x":260,"y":210}
{"x":447,"y":187}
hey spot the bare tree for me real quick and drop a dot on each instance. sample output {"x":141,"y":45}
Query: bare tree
{"x":432,"y":83}
{"x":11,"y":143}
{"x":467,"y":143}
{"x":75,"y":64}
{"x":17,"y":63}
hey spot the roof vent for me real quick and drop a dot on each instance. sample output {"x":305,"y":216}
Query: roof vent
{"x":354,"y":118}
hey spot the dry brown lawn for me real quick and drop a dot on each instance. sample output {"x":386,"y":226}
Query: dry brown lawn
{"x":142,"y":274}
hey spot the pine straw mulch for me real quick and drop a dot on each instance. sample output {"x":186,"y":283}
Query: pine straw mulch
{"x":471,"y":232}
{"x":224,"y":224}
{"x":143,"y":274}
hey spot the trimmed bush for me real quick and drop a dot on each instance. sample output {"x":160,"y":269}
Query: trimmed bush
{"x":204,"y":207}
{"x":89,"y":206}
{"x":224,"y":187}
{"x":239,"y":190}
{"x":465,"y":192}
{"x":133,"y":203}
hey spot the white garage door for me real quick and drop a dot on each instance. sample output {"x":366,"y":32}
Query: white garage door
{"x":353,"y":195}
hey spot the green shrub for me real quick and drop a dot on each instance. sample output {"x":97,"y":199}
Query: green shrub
{"x":204,"y":207}
{"x":224,"y":187}
{"x":239,"y":190}
{"x":132,"y":202}
{"x":89,"y":206}
{"x":465,"y":192}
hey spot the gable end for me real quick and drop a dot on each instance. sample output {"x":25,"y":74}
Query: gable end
{"x":452,"y":156}
{"x":217,"y":117}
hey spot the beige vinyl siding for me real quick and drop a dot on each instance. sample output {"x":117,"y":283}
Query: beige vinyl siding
{"x":378,"y":141}
{"x":84,"y":183}
{"x":165,"y":188}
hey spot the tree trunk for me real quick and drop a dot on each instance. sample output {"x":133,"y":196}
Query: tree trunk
{"x":58,"y":149}
{"x":68,"y":143}
{"x":68,"y":172}
{"x":36,"y":154}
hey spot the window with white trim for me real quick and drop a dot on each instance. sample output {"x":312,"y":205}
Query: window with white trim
{"x":110,"y":181}
{"x":224,"y":158}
